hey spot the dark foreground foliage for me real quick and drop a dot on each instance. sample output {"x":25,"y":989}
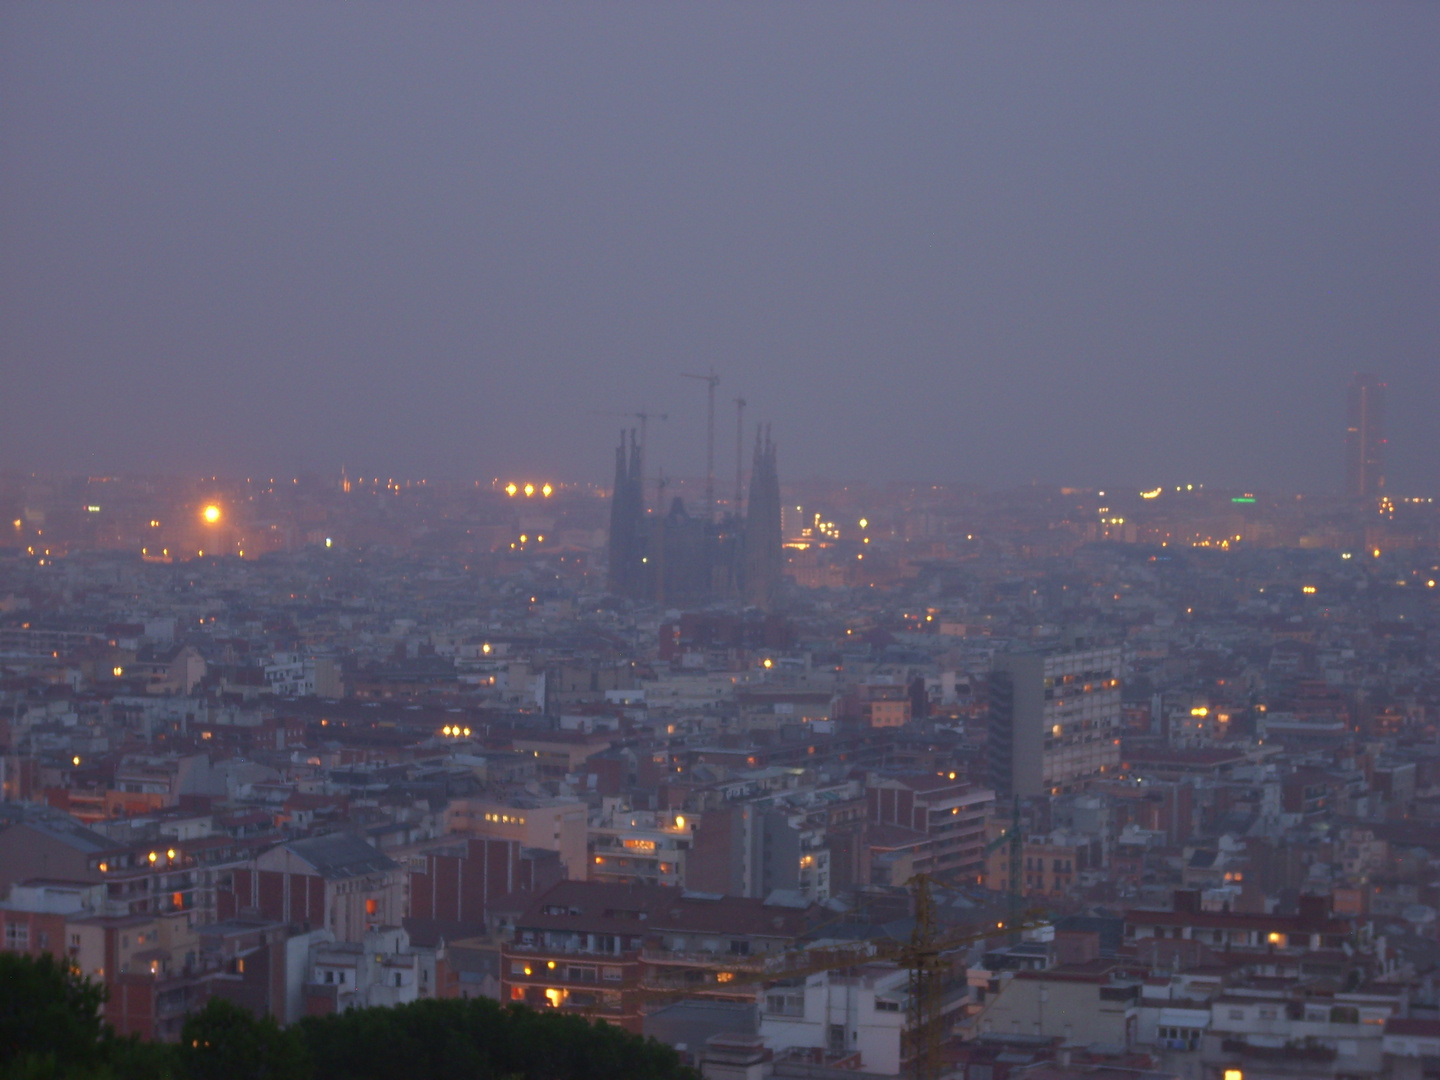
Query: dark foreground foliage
{"x":50,"y":1028}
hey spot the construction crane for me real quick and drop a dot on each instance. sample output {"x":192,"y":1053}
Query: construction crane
{"x":740,"y":404}
{"x":712,"y":380}
{"x":923,"y":955}
{"x":1012,"y":839}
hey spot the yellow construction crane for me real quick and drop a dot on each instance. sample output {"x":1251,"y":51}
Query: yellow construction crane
{"x":1014,"y":840}
{"x":923,"y":955}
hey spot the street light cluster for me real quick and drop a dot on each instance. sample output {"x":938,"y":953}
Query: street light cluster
{"x":528,"y":490}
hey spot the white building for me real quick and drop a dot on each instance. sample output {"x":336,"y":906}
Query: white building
{"x":1054,"y":719}
{"x":381,"y":969}
{"x":297,"y":675}
{"x":841,"y":1015}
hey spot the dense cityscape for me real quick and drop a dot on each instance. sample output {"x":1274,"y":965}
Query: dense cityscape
{"x":692,"y":541}
{"x":803,"y":779}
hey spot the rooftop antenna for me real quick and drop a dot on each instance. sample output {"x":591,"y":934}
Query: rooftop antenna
{"x":739,"y":458}
{"x":712,"y":380}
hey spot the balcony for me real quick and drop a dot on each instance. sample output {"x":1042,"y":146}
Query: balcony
{"x":1317,"y":1053}
{"x":697,"y":958}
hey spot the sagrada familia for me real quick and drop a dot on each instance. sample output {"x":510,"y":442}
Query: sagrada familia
{"x":682,"y":559}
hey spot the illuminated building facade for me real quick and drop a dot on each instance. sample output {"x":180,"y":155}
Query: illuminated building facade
{"x":593,"y":947}
{"x":1054,"y":720}
{"x":1365,"y":437}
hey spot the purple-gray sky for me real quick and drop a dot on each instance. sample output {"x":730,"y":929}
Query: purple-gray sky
{"x":1085,"y":243}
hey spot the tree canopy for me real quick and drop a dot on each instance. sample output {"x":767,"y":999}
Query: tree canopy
{"x":51,"y":1027}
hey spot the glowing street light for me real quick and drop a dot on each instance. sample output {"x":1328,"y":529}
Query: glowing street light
{"x":211,"y":514}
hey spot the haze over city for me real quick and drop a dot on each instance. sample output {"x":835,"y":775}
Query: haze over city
{"x":982,"y":244}
{"x":675,"y":541}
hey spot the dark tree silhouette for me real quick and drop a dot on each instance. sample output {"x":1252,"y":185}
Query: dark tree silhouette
{"x":51,"y":1029}
{"x":49,"y":1016}
{"x":226,"y":1042}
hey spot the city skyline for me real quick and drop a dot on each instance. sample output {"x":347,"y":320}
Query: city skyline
{"x":1364,"y":461}
{"x":678,"y":541}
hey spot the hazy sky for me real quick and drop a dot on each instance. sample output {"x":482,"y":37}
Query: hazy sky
{"x":1084,"y":243}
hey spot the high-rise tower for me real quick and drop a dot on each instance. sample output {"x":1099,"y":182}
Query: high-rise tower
{"x":764,"y":554}
{"x":1054,"y":719}
{"x":627,"y":509}
{"x":1365,"y":437}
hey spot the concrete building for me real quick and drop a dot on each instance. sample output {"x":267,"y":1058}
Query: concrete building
{"x":380,"y":969}
{"x":856,"y":1014}
{"x":594,"y":947}
{"x":946,"y":812}
{"x":455,"y":881}
{"x":336,"y":881}
{"x":1093,"y":1002}
{"x":555,"y":824}
{"x":1054,"y":720}
{"x":1365,"y":437}
{"x":640,"y":847}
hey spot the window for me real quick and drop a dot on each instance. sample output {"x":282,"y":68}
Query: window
{"x":17,"y":935}
{"x":785,"y":1004}
{"x":517,"y":967}
{"x":329,"y":978}
{"x":881,"y":1005}
{"x":371,"y":906}
{"x":1237,"y":1014}
{"x":612,"y":974}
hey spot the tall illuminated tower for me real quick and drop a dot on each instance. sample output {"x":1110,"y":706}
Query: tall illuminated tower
{"x":1365,"y":437}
